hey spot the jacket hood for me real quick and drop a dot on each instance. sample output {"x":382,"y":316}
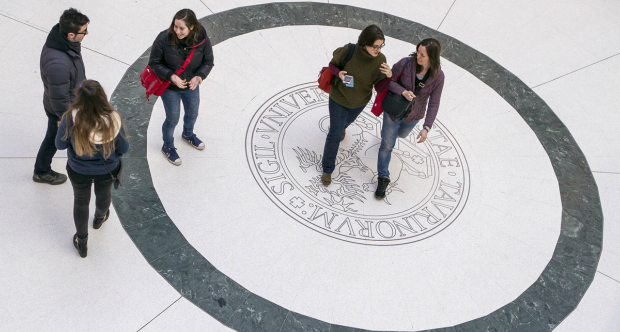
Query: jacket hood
{"x":57,"y":41}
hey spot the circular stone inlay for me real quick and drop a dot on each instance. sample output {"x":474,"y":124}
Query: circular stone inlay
{"x":548,"y":301}
{"x":430,"y":180}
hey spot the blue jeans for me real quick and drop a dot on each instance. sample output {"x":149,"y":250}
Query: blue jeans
{"x":340,"y":118}
{"x":172,"y":105}
{"x":390,"y":131}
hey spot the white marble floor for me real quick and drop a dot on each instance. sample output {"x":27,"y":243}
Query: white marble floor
{"x":568,"y":52}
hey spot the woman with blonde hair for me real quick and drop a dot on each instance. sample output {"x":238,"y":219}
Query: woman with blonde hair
{"x":94,"y":134}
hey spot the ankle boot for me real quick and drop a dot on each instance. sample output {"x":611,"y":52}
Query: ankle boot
{"x":326,"y":179}
{"x":382,"y":184}
{"x":97,"y":222}
{"x":80,"y":244}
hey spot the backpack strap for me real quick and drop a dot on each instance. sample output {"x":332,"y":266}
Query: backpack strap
{"x":348,"y":55}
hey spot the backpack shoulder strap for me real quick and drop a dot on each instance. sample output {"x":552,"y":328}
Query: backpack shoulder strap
{"x":348,"y":55}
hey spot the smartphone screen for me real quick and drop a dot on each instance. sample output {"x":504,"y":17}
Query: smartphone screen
{"x":348,"y":81}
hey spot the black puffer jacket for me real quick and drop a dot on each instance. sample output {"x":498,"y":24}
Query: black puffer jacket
{"x":167,"y":57}
{"x":62,"y":70}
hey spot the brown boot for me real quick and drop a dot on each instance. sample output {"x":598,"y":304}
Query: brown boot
{"x":326,"y":179}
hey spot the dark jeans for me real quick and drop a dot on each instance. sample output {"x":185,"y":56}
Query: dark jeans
{"x":47,"y":150}
{"x":340,"y":118}
{"x":172,"y":104}
{"x":81,"y":197}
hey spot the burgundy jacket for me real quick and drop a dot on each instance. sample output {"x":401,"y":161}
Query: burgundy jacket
{"x":430,"y":94}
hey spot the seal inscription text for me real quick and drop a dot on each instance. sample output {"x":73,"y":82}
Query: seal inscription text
{"x":429,"y":181}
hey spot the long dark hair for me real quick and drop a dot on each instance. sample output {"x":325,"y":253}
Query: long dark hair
{"x":188,"y":16}
{"x":94,"y":115}
{"x":369,"y":35}
{"x":433,"y":50}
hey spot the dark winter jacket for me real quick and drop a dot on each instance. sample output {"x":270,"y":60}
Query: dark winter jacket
{"x":62,"y":70}
{"x":167,"y":57}
{"x":430,"y":94}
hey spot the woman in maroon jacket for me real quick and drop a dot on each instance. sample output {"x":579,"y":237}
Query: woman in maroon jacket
{"x":425,"y":59}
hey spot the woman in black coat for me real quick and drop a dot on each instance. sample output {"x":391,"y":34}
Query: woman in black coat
{"x":170,"y":50}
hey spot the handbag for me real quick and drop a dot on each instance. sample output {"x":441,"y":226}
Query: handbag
{"x":397,"y":105}
{"x":326,"y":76}
{"x":156,"y":85}
{"x":117,"y":179}
{"x":377,"y":106}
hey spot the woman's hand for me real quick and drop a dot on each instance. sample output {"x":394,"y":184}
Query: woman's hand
{"x":385,"y":69}
{"x":422,"y":135}
{"x":408,"y":95}
{"x":178,"y":81}
{"x":341,"y":75}
{"x":195,"y":82}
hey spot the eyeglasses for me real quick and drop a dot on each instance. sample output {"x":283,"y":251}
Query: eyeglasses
{"x":378,"y":47}
{"x":83,"y":32}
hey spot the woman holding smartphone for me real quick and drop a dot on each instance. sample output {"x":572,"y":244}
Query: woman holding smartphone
{"x":366,"y":69}
{"x":424,"y":61}
{"x":170,"y":50}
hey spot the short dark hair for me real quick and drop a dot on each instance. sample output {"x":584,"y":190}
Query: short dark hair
{"x":369,"y":35}
{"x":71,"y":20}
{"x":188,"y":16}
{"x":433,"y":50}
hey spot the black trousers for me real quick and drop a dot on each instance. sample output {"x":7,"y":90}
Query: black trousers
{"x":81,"y":197}
{"x":43,"y":164}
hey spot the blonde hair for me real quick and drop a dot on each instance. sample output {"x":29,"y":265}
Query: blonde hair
{"x":94,"y":121}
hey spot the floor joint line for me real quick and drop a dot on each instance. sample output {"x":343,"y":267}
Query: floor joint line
{"x":107,"y":56}
{"x":618,"y":281}
{"x":168,"y":307}
{"x":24,"y":23}
{"x":605,"y":172}
{"x":207,"y":7}
{"x":43,"y":30}
{"x":576,"y":70}
{"x":448,"y":12}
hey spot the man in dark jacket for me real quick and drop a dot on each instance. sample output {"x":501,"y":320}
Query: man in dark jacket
{"x":62,"y":70}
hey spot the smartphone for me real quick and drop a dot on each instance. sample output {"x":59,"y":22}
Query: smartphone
{"x":348,"y":81}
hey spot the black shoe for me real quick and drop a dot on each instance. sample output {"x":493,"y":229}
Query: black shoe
{"x":344,"y":133}
{"x":80,"y":245}
{"x":97,"y":222}
{"x":52,"y":178}
{"x":381,"y":186}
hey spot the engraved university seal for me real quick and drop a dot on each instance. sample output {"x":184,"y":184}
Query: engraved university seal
{"x":284,"y":145}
